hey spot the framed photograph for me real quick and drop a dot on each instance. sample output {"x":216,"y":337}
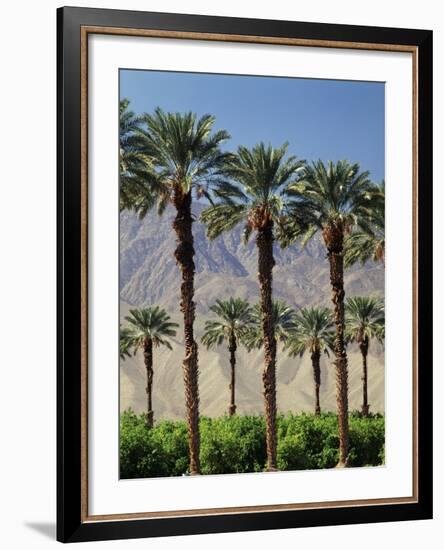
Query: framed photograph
{"x":244,"y":274}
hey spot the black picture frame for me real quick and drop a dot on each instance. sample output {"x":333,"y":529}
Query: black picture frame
{"x":70,"y":525}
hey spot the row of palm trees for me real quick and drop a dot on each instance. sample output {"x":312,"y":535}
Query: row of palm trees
{"x":172,"y":158}
{"x":238,"y":323}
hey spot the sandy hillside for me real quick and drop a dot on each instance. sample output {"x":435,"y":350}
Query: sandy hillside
{"x":224,"y":267}
{"x":294,"y":381}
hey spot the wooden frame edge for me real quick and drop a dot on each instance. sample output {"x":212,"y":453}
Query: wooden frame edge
{"x":199,"y":512}
{"x":415,"y":242}
{"x":84,"y":272}
{"x":219,"y":37}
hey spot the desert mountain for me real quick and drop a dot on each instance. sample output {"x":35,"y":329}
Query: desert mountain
{"x":227,"y":267}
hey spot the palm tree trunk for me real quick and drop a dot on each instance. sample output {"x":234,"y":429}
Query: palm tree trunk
{"x":364,"y":352}
{"x":232,"y":349}
{"x":148,"y":358}
{"x":184,"y":255}
{"x":316,"y":363}
{"x":334,"y":240}
{"x":264,"y":243}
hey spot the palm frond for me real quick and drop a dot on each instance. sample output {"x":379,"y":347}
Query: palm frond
{"x":283,"y":321}
{"x":181,"y":153}
{"x":235,"y":316}
{"x":313,"y":331}
{"x":368,"y":242}
{"x":251,"y":189}
{"x":335,"y":194}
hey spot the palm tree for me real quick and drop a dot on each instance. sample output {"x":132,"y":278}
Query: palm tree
{"x":235,"y":316}
{"x":129,"y":124}
{"x":184,"y":158}
{"x":312,"y":333}
{"x":364,"y":318}
{"x":332,"y":199}
{"x":132,"y":161}
{"x":254,"y":196}
{"x":284,"y":317}
{"x":147,"y":328}
{"x":368,"y":243}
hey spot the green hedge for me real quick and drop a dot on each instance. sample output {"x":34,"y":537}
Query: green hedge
{"x":237,"y":444}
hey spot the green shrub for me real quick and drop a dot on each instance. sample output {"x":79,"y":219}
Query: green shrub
{"x":307,"y":442}
{"x":367,"y":438}
{"x":291,"y":453}
{"x":232,"y":445}
{"x":237,"y":444}
{"x":172,"y":436}
{"x":140,"y":454}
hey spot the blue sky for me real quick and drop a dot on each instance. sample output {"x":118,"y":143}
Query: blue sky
{"x":326,"y":119}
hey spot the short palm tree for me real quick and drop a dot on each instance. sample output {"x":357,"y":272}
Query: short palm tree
{"x":147,"y":328}
{"x":313,"y":333}
{"x":253,"y":194}
{"x":368,"y":243}
{"x":234,"y":319}
{"x":184,"y":157}
{"x":284,"y":317}
{"x":333,"y":199}
{"x":365,"y":319}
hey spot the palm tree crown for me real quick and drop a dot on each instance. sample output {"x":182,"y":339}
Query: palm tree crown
{"x":151,"y":323}
{"x":235,"y":316}
{"x":261,"y":176}
{"x":313,"y":331}
{"x":132,"y":161}
{"x":129,"y":124}
{"x":124,"y":343}
{"x":284,"y":318}
{"x":365,"y":319}
{"x":332,"y":198}
{"x":368,"y":243}
{"x":185,"y":156}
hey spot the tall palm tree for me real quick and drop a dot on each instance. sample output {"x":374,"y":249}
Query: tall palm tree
{"x":132,"y":161}
{"x":184,"y":158}
{"x":332,"y":199}
{"x":235,"y":317}
{"x":368,"y":243}
{"x":284,"y":317}
{"x":254,"y":196}
{"x":365,"y":319}
{"x":129,"y":124}
{"x":147,"y":328}
{"x":312,"y":333}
